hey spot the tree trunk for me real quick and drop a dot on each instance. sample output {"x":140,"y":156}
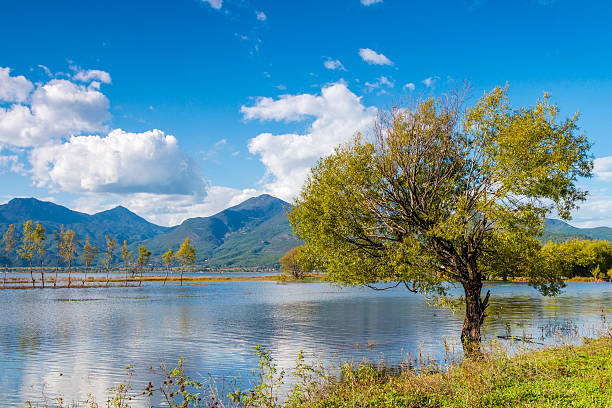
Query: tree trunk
{"x":474,"y":317}
{"x":166,"y":278}
{"x":42,"y":274}
{"x":32,"y":274}
{"x":181,"y":276}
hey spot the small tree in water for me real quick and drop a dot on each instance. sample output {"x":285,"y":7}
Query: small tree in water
{"x":89,"y":254}
{"x":143,"y":259}
{"x":10,"y":242}
{"x":168,"y":258}
{"x":28,"y":246}
{"x":445,"y":194}
{"x":128,"y":257}
{"x":108,"y":255}
{"x":68,"y":246}
{"x":40,"y":240}
{"x":186,"y":255}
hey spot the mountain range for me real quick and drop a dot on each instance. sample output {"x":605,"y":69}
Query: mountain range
{"x":255,"y":233}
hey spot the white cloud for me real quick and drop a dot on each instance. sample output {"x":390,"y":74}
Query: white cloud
{"x":122,"y":162}
{"x":13,"y":88}
{"x":216,"y":4}
{"x":11,"y":163}
{"x":602,"y":168}
{"x":370,"y":2}
{"x":338,"y":114}
{"x":373,"y":58}
{"x":261,"y":16}
{"x":430,"y":81}
{"x":596,"y":211}
{"x":409,"y":86}
{"x":334,"y":64}
{"x":58,"y":109}
{"x":380,"y":84}
{"x":92,"y":74}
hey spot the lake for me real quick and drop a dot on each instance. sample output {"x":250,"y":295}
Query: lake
{"x":70,"y":342}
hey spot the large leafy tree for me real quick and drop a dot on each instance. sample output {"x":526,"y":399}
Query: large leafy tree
{"x":442,"y":193}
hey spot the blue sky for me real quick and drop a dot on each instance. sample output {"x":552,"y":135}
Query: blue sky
{"x":181,"y":108}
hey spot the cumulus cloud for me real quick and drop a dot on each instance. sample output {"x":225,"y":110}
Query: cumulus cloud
{"x":92,"y":75}
{"x":58,"y":109}
{"x":13,"y":88}
{"x":216,"y":4}
{"x":121,"y":162}
{"x":602,"y":168}
{"x":338,"y":114}
{"x":261,"y":16}
{"x":370,"y":2}
{"x":373,"y":58}
{"x":334,"y":64}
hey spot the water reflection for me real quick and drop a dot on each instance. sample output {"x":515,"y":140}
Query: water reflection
{"x":70,"y":342}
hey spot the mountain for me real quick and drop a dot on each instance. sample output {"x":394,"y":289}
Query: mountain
{"x":118,"y":222}
{"x":253,"y":233}
{"x":559,"y":231}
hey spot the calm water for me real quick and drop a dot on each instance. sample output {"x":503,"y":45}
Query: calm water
{"x":51,"y":347}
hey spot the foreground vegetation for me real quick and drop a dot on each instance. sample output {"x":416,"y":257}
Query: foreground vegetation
{"x":567,"y":376}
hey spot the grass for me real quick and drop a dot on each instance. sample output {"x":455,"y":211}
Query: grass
{"x":569,"y":376}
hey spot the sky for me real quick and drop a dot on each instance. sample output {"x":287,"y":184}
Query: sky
{"x":181,"y":108}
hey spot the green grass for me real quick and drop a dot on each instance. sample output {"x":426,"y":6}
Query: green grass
{"x":569,"y":376}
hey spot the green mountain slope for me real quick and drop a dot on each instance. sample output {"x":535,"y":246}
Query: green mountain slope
{"x":253,"y":233}
{"x":118,"y":222}
{"x":559,"y":231}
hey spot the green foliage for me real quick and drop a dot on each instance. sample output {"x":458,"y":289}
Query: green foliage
{"x":143,"y":256}
{"x":168,"y":257}
{"x":89,"y":252}
{"x":578,"y":257}
{"x":292,"y":264}
{"x":28,"y":244}
{"x":126,"y":255}
{"x":186,"y":254}
{"x":9,"y":240}
{"x":444,"y":193}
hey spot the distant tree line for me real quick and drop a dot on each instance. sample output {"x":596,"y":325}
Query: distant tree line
{"x":32,"y":245}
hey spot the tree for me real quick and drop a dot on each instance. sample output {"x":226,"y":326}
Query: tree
{"x":167,"y":258}
{"x":610,"y":274}
{"x":89,"y":254}
{"x":108,"y":255}
{"x":10,"y":242}
{"x":186,"y":255}
{"x":39,"y":241}
{"x":291,"y":263}
{"x":127,"y":257}
{"x":439,"y":192}
{"x":28,"y":246}
{"x":143,"y":259}
{"x":68,"y":245}
{"x":57,"y":239}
